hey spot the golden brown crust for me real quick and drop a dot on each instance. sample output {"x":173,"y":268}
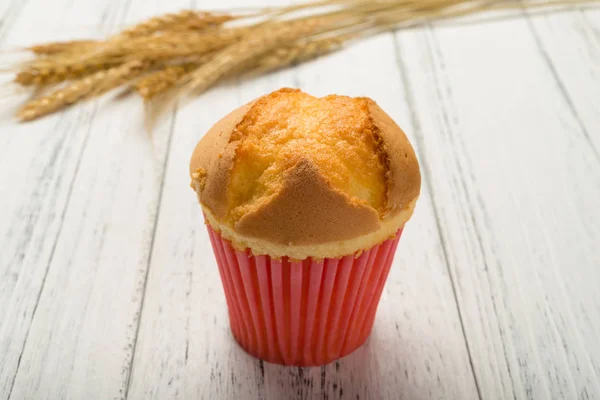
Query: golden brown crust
{"x":307,"y":211}
{"x":388,"y":229}
{"x":404,"y":175}
{"x":307,"y":204}
{"x":213,"y":156}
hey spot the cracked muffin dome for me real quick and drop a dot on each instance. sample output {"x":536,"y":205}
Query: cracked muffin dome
{"x":294,"y":175}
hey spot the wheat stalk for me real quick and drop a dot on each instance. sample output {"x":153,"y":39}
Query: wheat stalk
{"x":98,"y":83}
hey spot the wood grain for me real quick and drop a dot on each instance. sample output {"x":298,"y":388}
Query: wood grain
{"x":78,"y":238}
{"x":38,"y":165}
{"x":514,"y":182}
{"x":108,"y":285}
{"x":562,"y":39}
{"x":10,"y":10}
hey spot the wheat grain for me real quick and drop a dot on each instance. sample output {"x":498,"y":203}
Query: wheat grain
{"x":298,"y":53}
{"x":202,"y":22}
{"x":177,"y":42}
{"x":56,"y":73}
{"x":199,"y":20}
{"x":255,"y":44}
{"x":165,"y":78}
{"x":162,"y":80}
{"x":167,"y":46}
{"x":63,"y":47}
{"x":96,"y":84}
{"x":186,"y":20}
{"x":244,"y":52}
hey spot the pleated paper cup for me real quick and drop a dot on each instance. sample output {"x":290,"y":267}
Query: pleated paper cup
{"x":303,"y":313}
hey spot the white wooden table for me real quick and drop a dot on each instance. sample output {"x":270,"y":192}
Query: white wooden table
{"x":108,"y":286}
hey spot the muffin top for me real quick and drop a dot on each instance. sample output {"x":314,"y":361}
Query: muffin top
{"x":294,"y":175}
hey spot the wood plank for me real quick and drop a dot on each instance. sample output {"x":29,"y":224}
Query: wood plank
{"x":83,"y":199}
{"x":38,"y":162}
{"x":80,"y":227}
{"x":514,"y":180}
{"x":10,"y":11}
{"x":185,"y":348}
{"x":569,"y":43}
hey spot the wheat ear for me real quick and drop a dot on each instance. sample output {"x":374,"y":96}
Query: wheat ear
{"x":203,"y":21}
{"x":167,"y":46}
{"x":162,"y":80}
{"x":186,"y":20}
{"x":299,"y":53}
{"x":254,"y":45}
{"x":63,"y":47}
{"x":178,"y":44}
{"x":96,"y":84}
{"x":51,"y":73}
{"x":198,"y":20}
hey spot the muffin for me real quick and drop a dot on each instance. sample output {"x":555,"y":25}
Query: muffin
{"x":305,"y":200}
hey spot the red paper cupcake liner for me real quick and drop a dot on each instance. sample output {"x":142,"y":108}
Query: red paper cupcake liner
{"x":302,"y":312}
